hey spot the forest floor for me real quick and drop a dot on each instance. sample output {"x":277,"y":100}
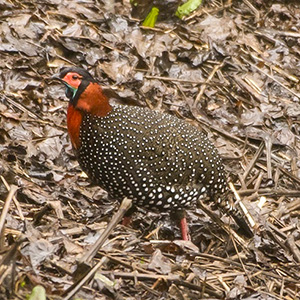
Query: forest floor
{"x":231,"y":67}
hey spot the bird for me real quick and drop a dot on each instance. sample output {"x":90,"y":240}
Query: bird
{"x":159,"y":161}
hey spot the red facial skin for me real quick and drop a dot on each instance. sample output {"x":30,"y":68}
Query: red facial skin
{"x":73,"y":79}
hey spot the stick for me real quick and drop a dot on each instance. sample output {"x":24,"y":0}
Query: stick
{"x":78,"y":285}
{"x":84,"y":272}
{"x":125,"y":205}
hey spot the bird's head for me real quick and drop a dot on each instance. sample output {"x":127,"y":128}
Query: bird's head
{"x":76,"y":81}
{"x":84,"y":93}
{"x":85,"y":97}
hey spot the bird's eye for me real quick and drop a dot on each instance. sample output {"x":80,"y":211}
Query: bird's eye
{"x":75,"y":77}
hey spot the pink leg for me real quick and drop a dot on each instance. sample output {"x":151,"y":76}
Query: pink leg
{"x":184,"y":229}
{"x":126,"y":221}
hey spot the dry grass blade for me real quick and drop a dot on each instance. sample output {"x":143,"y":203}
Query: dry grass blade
{"x":16,"y":202}
{"x":271,"y":77}
{"x":253,"y":161}
{"x":203,"y":86}
{"x":12,"y":191}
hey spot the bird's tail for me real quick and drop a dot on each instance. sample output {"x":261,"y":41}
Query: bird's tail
{"x":237,"y":211}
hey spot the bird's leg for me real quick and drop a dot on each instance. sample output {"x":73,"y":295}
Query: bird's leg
{"x":183,"y":225}
{"x":184,"y":229}
{"x":127,"y":217}
{"x":126,"y":221}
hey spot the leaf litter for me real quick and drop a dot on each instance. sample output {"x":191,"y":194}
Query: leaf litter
{"x":231,"y":68}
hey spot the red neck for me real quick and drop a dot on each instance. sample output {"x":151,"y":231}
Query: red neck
{"x":91,"y":101}
{"x":74,"y":118}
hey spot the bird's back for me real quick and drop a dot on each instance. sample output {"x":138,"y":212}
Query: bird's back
{"x":155,"y":159}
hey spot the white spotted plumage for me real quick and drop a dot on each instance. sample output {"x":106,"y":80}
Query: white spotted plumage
{"x":155,"y":159}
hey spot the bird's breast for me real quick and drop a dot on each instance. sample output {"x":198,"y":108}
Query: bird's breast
{"x":74,"y":119}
